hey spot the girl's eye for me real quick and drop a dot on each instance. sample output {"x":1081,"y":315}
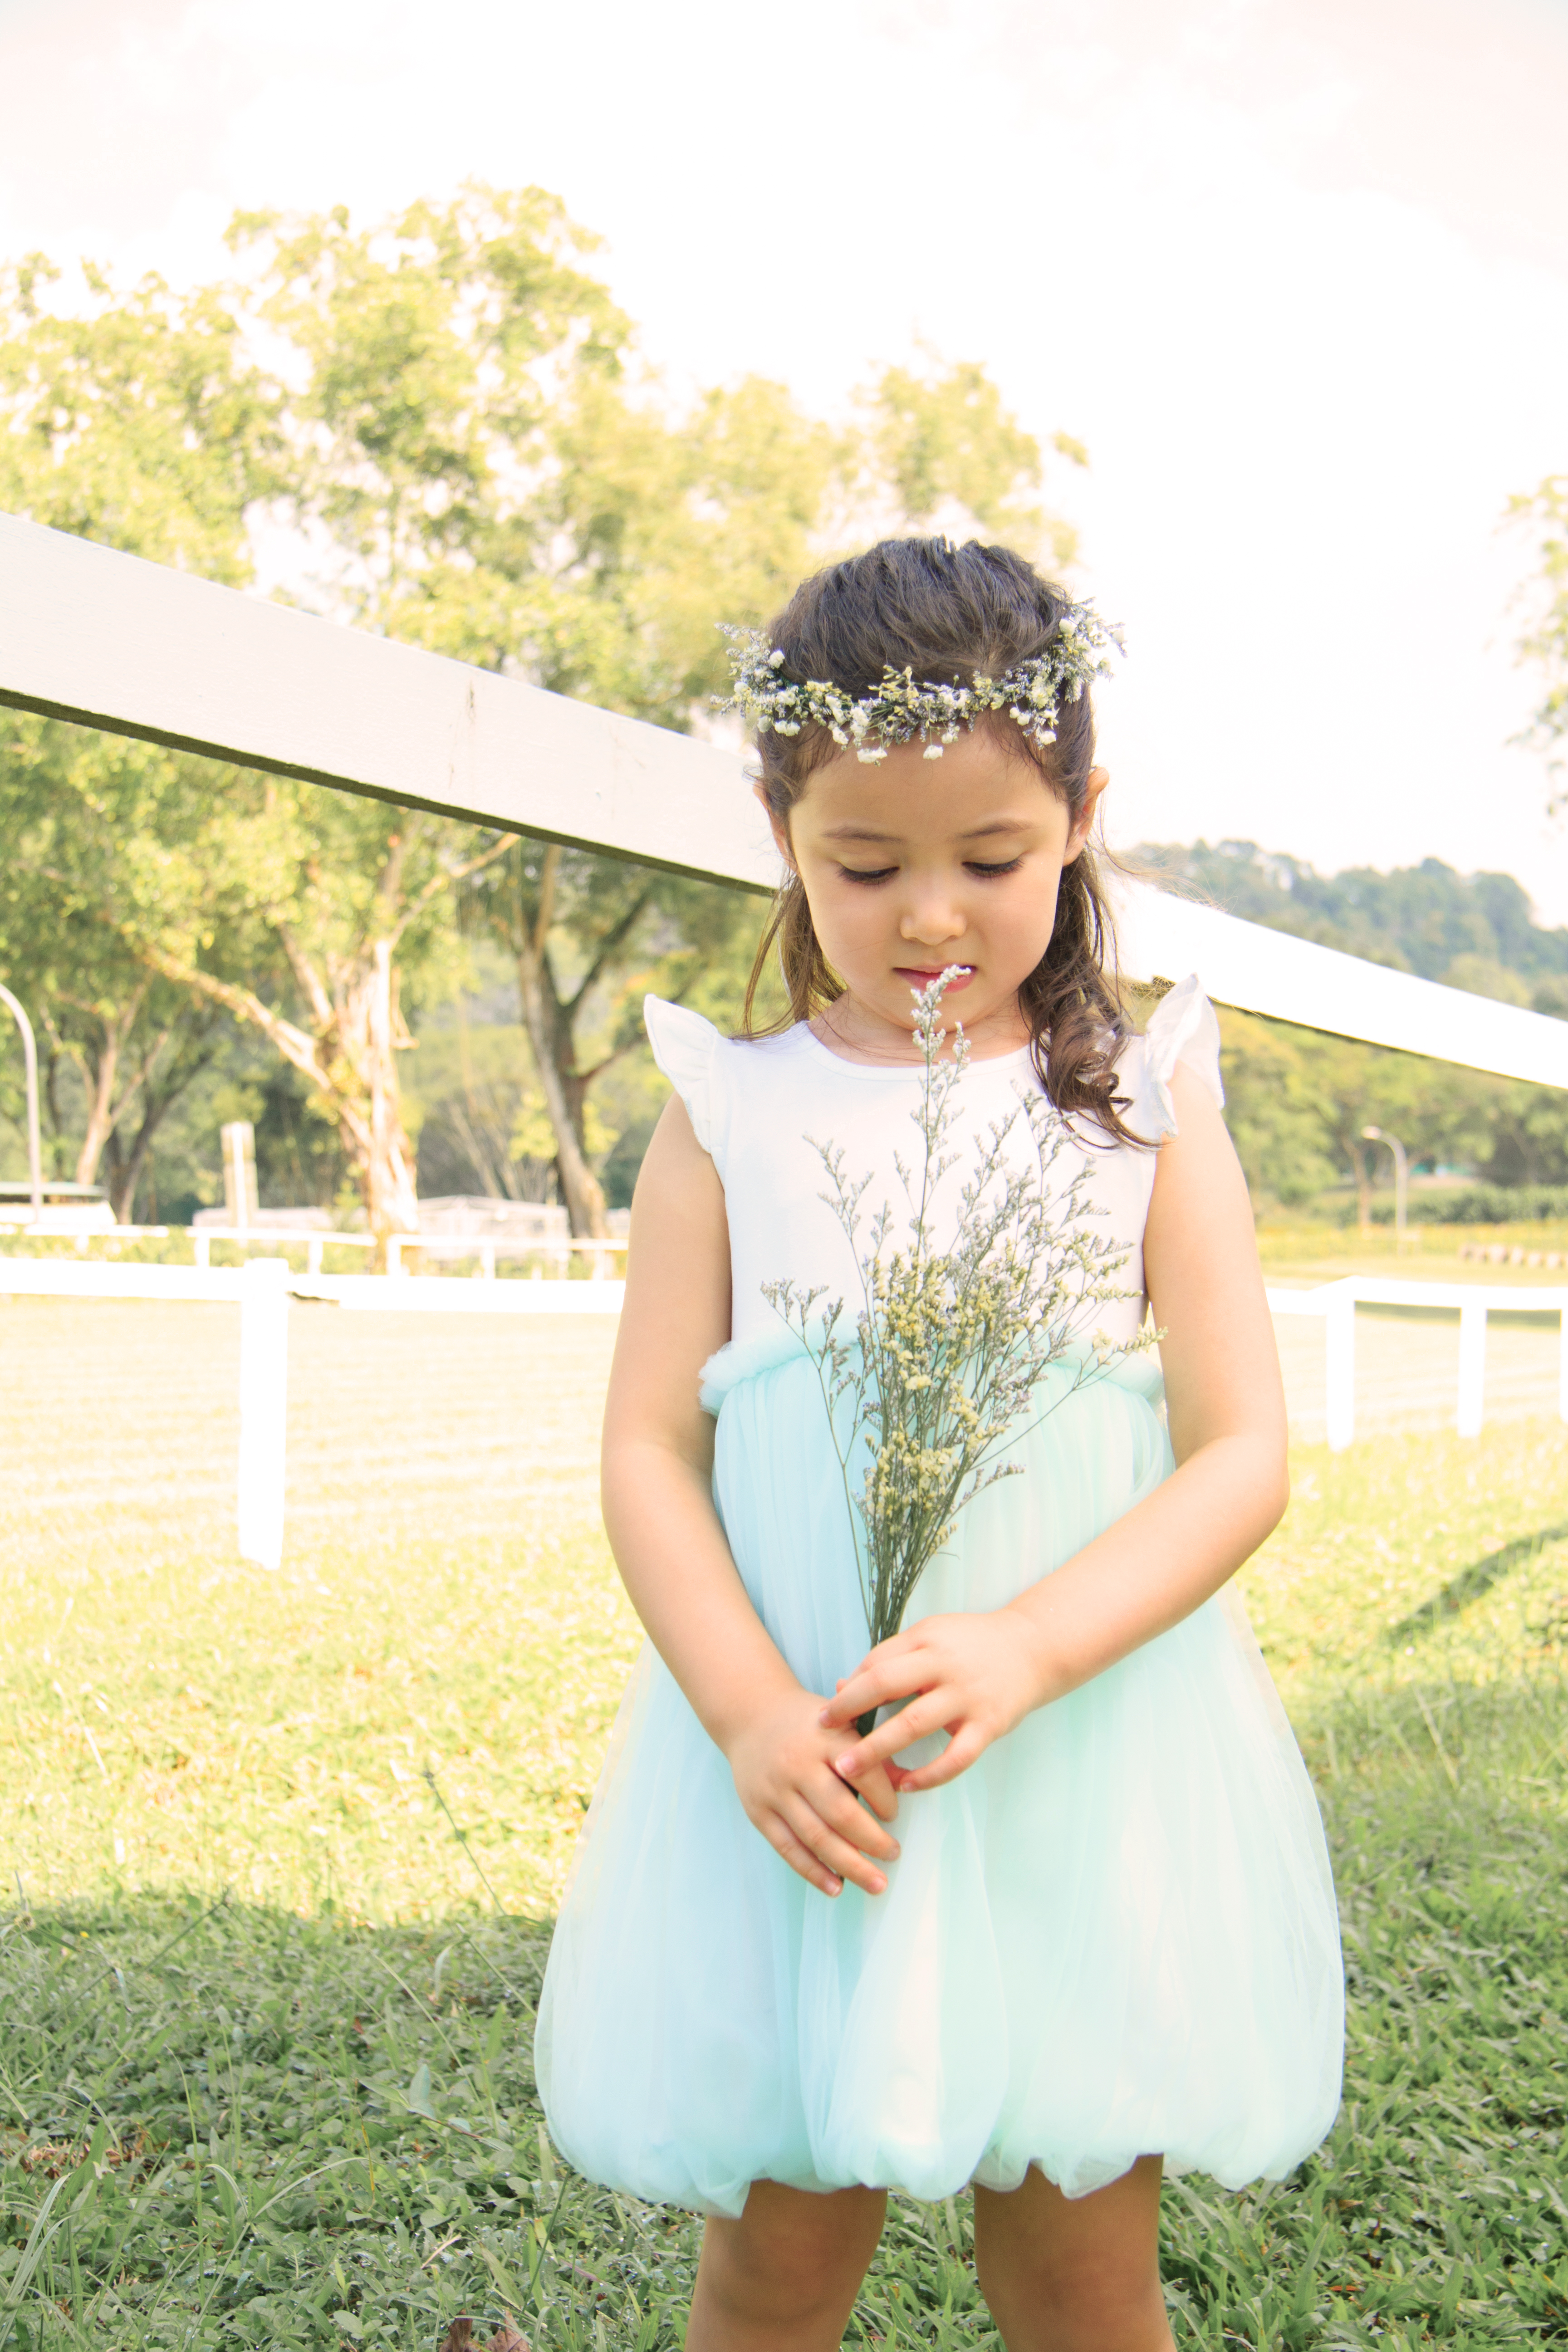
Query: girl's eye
{"x":867,"y":874}
{"x":1011,"y":865}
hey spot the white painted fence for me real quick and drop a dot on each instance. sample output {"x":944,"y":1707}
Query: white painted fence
{"x":485,"y":1252}
{"x":1336,"y":1303}
{"x":263,"y":1288}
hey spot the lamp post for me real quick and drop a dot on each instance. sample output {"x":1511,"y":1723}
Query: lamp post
{"x":1401,"y":1177}
{"x":30,"y":1060}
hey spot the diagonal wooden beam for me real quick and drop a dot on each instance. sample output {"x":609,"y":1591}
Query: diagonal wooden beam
{"x":106,"y":640}
{"x":109,"y":641}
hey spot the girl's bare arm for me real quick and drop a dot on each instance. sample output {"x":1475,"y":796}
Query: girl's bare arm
{"x":977,"y":1676}
{"x":670,"y":1547}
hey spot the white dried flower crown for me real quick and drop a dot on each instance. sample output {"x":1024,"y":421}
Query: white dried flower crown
{"x":901,"y":710}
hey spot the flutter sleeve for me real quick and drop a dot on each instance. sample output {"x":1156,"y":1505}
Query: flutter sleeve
{"x":684,"y":1045}
{"x":1182,"y":1028}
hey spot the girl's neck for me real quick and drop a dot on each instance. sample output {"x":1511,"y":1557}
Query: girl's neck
{"x":854,"y":1034}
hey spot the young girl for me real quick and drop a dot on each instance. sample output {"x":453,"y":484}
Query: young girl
{"x":1065,"y":1916}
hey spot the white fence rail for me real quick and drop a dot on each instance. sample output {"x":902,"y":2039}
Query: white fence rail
{"x":1336,"y":1303}
{"x":263,"y":1288}
{"x":484,"y":1251}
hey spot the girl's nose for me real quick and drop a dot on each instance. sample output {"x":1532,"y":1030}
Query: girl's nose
{"x":932,"y":922}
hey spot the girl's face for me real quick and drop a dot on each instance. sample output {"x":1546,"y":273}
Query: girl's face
{"x":912,"y":865}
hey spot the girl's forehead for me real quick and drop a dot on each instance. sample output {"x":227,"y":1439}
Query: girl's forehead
{"x":976,"y":783}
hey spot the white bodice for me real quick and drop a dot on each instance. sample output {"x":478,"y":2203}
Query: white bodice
{"x":761,"y":1106}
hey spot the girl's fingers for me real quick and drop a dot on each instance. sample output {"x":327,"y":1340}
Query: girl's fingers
{"x":885,"y":1675}
{"x":879,"y":1789}
{"x":800,"y":1858}
{"x":835,"y":1853}
{"x":960,"y":1753}
{"x":934,"y":1710}
{"x":844,"y":1813}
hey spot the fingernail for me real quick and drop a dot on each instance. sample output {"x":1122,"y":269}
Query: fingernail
{"x":835,"y":1886}
{"x":879,"y":1886}
{"x":846,"y":1767}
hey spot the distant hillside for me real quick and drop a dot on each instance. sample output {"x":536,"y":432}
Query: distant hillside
{"x":1473,"y":931}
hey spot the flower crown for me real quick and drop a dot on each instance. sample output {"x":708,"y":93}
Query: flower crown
{"x":898,"y":709}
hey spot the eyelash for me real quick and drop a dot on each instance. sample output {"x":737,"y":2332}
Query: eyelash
{"x":882,"y":872}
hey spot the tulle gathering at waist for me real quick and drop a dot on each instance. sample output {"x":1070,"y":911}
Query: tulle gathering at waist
{"x":763,"y":1351}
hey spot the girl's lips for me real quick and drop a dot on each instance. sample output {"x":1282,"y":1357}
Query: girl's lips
{"x":922,"y":975}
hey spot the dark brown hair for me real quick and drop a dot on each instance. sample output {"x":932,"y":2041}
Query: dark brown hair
{"x":949,"y":613}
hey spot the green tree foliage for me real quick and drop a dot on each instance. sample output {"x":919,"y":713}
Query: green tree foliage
{"x":1298,"y":1099}
{"x":349,"y":900}
{"x":138,"y":420}
{"x":944,"y":440}
{"x":590,"y":934}
{"x":1420,"y":918}
{"x":505,"y":484}
{"x":89,"y":821}
{"x":459,"y":429}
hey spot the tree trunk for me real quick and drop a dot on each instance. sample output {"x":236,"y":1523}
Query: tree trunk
{"x":125,"y":1169}
{"x":371,"y":1034}
{"x":348,"y":1058}
{"x":348,"y":1052}
{"x":549,"y":1037}
{"x":101,"y":1110}
{"x":99,"y":1074}
{"x":583,"y":1193}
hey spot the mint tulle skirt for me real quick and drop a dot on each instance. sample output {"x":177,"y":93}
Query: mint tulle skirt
{"x":1114,"y":1936}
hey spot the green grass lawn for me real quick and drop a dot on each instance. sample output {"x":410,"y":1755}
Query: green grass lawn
{"x":267,"y":1986}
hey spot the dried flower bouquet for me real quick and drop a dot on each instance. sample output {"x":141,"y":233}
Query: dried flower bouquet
{"x":942,"y":1359}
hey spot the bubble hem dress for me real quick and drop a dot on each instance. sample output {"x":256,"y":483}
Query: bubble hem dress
{"x":1115,"y":1935}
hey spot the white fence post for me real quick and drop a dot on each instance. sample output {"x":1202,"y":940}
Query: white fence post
{"x":263,"y":1408}
{"x":1563,"y":1367}
{"x":1339,"y":1369}
{"x":1472,"y":1365}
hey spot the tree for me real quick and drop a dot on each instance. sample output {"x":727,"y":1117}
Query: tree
{"x":580,"y":928}
{"x":140,"y":422}
{"x":944,"y":447}
{"x":345,"y":896}
{"x":504,"y":484}
{"x":462,"y":431}
{"x":464,"y":442}
{"x":1298,"y":1099}
{"x":428,"y":355}
{"x":133,"y":1042}
{"x":1424,"y":918}
{"x":137,"y":419}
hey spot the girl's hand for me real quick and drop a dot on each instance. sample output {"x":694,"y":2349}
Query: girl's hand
{"x":971,"y":1676}
{"x":783,"y":1763}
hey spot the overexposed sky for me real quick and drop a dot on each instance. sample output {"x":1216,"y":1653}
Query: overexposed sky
{"x":1295,"y":270}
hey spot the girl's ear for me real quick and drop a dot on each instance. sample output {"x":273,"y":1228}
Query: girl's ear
{"x":779,"y":830}
{"x":1084,"y":823}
